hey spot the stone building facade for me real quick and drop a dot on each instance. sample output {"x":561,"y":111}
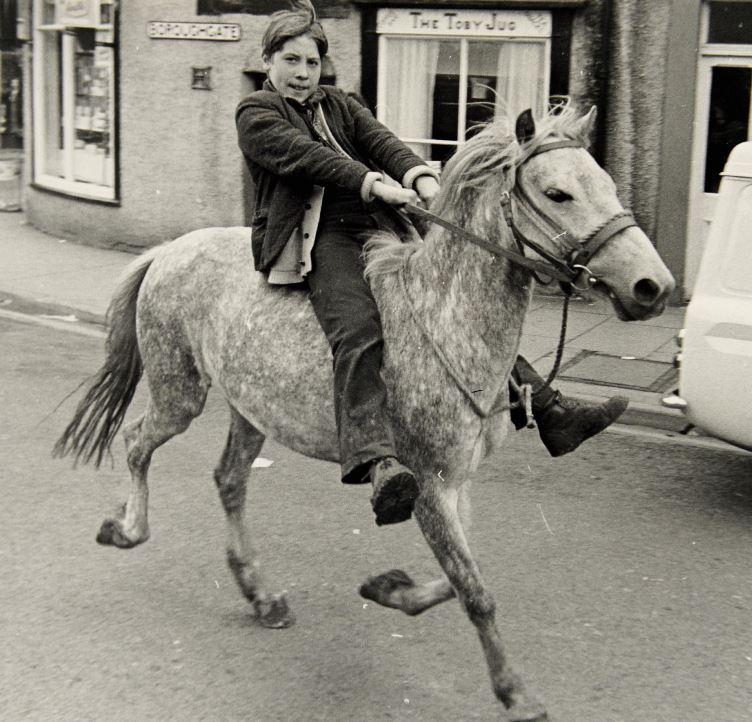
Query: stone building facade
{"x":129,"y":118}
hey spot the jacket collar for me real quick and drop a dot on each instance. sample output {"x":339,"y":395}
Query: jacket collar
{"x":314,"y":99}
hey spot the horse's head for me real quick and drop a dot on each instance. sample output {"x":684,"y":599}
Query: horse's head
{"x":566,"y":204}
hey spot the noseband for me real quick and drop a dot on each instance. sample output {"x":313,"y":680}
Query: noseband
{"x":564,"y":270}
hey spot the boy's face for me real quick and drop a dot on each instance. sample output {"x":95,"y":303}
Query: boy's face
{"x":295,"y":69}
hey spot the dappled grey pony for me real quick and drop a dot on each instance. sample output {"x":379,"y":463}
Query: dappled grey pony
{"x":192,"y":313}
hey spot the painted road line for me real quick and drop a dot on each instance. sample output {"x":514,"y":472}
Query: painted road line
{"x":71,"y":327}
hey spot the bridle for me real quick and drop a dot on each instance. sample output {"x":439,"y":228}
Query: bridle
{"x":576,"y":262}
{"x":565,"y":270}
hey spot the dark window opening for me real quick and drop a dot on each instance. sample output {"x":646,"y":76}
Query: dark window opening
{"x":11,"y":100}
{"x":445,"y":110}
{"x":11,"y":97}
{"x":728,"y":119}
{"x":8,"y":14}
{"x":730,"y":22}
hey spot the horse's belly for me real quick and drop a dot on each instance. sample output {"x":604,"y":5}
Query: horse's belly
{"x":260,"y":345}
{"x":283,"y":393}
{"x":271,"y":359}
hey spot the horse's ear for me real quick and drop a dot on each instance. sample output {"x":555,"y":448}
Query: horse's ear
{"x":587,"y":123}
{"x":524,"y":128}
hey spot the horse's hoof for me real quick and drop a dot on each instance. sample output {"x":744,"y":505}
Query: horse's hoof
{"x":527,"y":712}
{"x":379,"y":589}
{"x":274,"y":612}
{"x":111,"y":534}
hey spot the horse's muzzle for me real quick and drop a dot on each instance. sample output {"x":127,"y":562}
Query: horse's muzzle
{"x":647,"y":299}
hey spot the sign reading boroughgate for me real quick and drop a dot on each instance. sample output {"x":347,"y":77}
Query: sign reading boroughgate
{"x":486,"y":23}
{"x":193,"y":31}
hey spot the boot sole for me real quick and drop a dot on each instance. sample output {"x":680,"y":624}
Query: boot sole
{"x":396,"y":499}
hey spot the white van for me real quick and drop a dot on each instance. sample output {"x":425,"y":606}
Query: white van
{"x":715,"y":346}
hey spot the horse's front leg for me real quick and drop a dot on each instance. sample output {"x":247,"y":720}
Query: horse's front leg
{"x":439,"y":520}
{"x":397,"y":590}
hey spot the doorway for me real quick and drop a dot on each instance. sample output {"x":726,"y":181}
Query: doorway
{"x":722,"y":114}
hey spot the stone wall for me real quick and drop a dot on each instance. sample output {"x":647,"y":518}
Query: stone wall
{"x":180,"y":167}
{"x":636,"y":95}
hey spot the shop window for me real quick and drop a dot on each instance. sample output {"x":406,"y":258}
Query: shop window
{"x":11,"y":100}
{"x":443,"y":74}
{"x":74,"y":98}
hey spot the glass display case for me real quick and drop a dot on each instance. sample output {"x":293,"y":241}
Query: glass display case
{"x":11,"y":100}
{"x":93,"y":156}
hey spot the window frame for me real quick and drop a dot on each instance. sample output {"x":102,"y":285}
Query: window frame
{"x":736,"y":54}
{"x":464,"y":40}
{"x":67,"y":185}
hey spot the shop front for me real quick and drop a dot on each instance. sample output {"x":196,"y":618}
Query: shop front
{"x":442,"y":73}
{"x":130,"y":136}
{"x":131,"y":119}
{"x":444,"y":69}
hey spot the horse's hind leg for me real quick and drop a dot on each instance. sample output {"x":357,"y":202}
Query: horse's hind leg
{"x":177,"y":396}
{"x":142,"y":438}
{"x":244,"y":443}
{"x":436,"y":512}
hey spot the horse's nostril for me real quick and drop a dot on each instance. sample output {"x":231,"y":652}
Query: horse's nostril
{"x":646,"y":292}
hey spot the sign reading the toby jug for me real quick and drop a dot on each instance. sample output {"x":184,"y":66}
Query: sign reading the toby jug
{"x":492,"y":23}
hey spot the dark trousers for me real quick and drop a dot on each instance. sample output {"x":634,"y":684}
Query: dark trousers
{"x":348,"y":314}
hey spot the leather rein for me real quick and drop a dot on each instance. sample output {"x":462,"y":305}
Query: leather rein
{"x":564,"y":270}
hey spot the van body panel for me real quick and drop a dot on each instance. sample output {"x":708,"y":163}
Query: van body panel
{"x":715,"y":376}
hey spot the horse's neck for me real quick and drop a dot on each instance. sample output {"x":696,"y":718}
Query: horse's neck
{"x":471,"y":303}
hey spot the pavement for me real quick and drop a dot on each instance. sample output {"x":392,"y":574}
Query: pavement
{"x":65,"y":283}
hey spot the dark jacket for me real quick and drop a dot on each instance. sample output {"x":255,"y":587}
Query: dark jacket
{"x":286,"y":158}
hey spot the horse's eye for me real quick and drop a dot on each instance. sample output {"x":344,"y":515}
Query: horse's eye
{"x":558,"y":196}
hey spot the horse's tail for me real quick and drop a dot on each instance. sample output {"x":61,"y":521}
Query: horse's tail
{"x":100,"y":413}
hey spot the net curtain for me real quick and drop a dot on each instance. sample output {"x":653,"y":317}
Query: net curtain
{"x":411,"y":74}
{"x":520,"y":78}
{"x":411,"y":71}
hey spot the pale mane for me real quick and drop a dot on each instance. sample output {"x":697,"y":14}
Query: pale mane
{"x":487,"y":161}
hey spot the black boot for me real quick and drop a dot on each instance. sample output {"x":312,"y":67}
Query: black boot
{"x":395,"y":490}
{"x":564,"y":423}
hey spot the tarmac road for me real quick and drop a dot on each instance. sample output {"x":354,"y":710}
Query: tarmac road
{"x":621,"y":574}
